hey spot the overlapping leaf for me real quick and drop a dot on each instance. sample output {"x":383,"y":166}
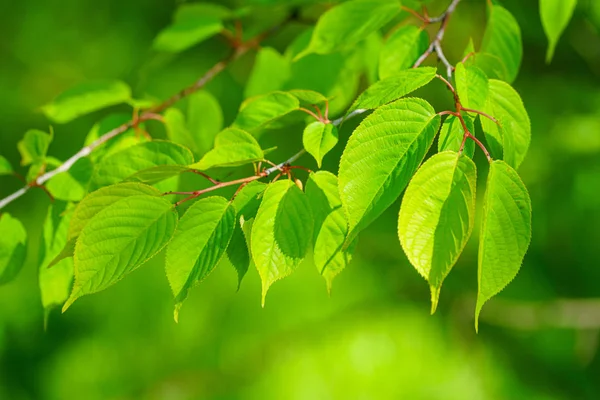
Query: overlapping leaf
{"x":204,"y":120}
{"x":472,"y":86}
{"x":381,"y":156}
{"x":13,"y":246}
{"x":271,"y":71}
{"x":118,"y":240}
{"x":451,"y":135}
{"x":281,"y":232}
{"x":401,"y":50}
{"x":257,"y":112}
{"x":34,"y":146}
{"x":437,"y":216}
{"x":502,"y":39}
{"x":200,"y":241}
{"x":505,"y":232}
{"x":233,"y":147}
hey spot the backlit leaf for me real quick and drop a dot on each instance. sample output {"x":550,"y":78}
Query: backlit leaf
{"x":330,"y":228}
{"x":233,"y":147}
{"x":437,"y":216}
{"x":556,"y":15}
{"x":187,"y":32}
{"x":118,"y":240}
{"x":5,"y":167}
{"x":178,"y":132}
{"x":13,"y":247}
{"x":451,"y":135}
{"x":281,"y":232}
{"x":319,"y":138}
{"x":401,"y":50}
{"x":472,"y":86}
{"x":271,"y":71}
{"x":86,"y":98}
{"x":505,"y":232}
{"x":200,"y":241}
{"x":259,"y":111}
{"x":34,"y":146}
{"x":502,"y":39}
{"x":204,"y":119}
{"x":72,"y":184}
{"x":381,"y":156}
{"x":394,"y":87}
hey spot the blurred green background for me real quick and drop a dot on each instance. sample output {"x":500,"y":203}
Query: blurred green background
{"x":374,"y":337}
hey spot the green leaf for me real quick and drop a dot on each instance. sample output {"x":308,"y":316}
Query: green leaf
{"x":259,"y":111}
{"x":34,"y":146}
{"x":502,"y":39}
{"x":472,"y":86}
{"x":308,"y":97}
{"x":13,"y":247}
{"x":556,"y":15}
{"x":199,"y":242}
{"x":55,"y":283}
{"x":401,"y":50}
{"x":205,"y":120}
{"x":319,"y":138}
{"x":178,"y":132}
{"x":281,"y":232}
{"x":246,"y":204}
{"x":437,"y":216}
{"x":381,"y":156}
{"x":346,"y":24}
{"x":121,"y":142}
{"x":233,"y":147}
{"x":118,"y":240}
{"x":198,"y":10}
{"x":96,"y":201}
{"x":451,"y":136}
{"x":72,"y":184}
{"x":394,"y":87}
{"x":86,"y":98}
{"x":330,"y":228}
{"x":5,"y":167}
{"x":144,"y":156}
{"x":512,"y":139}
{"x":187,"y":32}
{"x":271,"y":71}
{"x":505,"y":232}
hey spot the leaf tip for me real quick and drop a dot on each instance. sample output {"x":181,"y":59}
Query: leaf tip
{"x":176,"y":312}
{"x":435,"y":296}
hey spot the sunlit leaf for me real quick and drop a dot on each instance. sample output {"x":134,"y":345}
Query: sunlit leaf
{"x":510,"y":140}
{"x":204,"y":120}
{"x":72,"y":184}
{"x":346,"y":24}
{"x":394,"y":87}
{"x":271,"y":71}
{"x":13,"y":247}
{"x":34,"y":146}
{"x":401,"y":50}
{"x":330,"y":228}
{"x":502,"y":39}
{"x":118,"y":240}
{"x":233,"y":147}
{"x":86,"y":98}
{"x":281,"y":232}
{"x":472,"y":86}
{"x":451,"y":135}
{"x":200,"y":241}
{"x":259,"y":111}
{"x":178,"y":132}
{"x":187,"y":32}
{"x":556,"y":15}
{"x":319,"y":138}
{"x":505,"y":232}
{"x":437,"y":216}
{"x":5,"y":167}
{"x":381,"y":156}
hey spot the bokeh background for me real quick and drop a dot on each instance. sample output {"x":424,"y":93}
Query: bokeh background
{"x":373,"y":338}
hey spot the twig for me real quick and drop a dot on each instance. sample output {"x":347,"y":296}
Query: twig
{"x":147,"y":115}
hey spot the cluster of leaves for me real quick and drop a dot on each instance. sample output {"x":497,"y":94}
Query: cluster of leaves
{"x":113,"y":210}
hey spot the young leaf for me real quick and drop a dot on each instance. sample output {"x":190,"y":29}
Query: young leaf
{"x":308,"y":97}
{"x":34,"y":146}
{"x":451,"y":136}
{"x":401,"y":50}
{"x":502,"y":39}
{"x":271,"y":71}
{"x":199,"y":242}
{"x":118,"y":240}
{"x":187,"y":32}
{"x":319,"y":138}
{"x":472,"y":86}
{"x":381,"y":156}
{"x":233,"y":147}
{"x":281,"y":232}
{"x":86,"y":98}
{"x":178,"y":131}
{"x":513,"y":135}
{"x":394,"y":87}
{"x":346,"y":24}
{"x":437,"y":216}
{"x":555,"y":18}
{"x":205,"y":119}
{"x":259,"y":111}
{"x":13,"y":246}
{"x":72,"y":184}
{"x":505,"y":232}
{"x":331,"y":227}
{"x":144,"y":156}
{"x":55,"y":283}
{"x":5,"y":167}
{"x":246,"y":204}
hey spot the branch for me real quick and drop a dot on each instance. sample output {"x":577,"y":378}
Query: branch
{"x":147,"y":115}
{"x":436,"y":44}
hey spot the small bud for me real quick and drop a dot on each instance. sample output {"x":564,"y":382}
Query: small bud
{"x":299,"y":184}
